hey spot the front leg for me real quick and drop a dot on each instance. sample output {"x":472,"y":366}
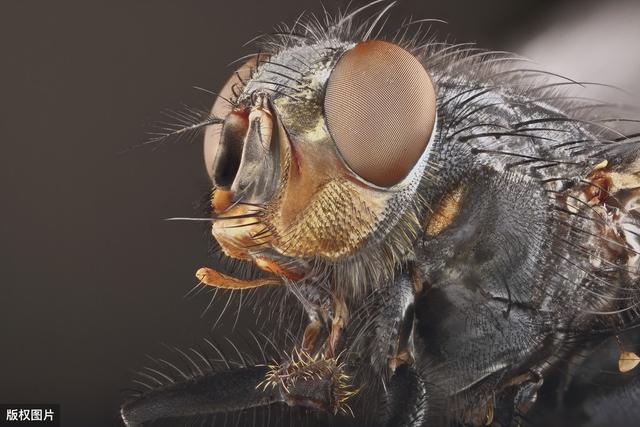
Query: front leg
{"x":393,"y":308}
{"x":214,"y":392}
{"x":314,"y":377}
{"x":390,"y":345}
{"x":406,"y":402}
{"x":338,"y":321}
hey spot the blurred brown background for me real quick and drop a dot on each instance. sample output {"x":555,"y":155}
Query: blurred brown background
{"x":92,"y":278}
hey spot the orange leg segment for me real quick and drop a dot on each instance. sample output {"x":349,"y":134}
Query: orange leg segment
{"x":216,"y":279}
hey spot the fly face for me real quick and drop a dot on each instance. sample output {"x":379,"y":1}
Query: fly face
{"x":322,"y":143}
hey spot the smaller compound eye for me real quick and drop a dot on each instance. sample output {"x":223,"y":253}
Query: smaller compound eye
{"x":221,"y":108}
{"x":380,"y":108}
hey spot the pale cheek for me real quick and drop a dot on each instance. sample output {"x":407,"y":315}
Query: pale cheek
{"x":221,"y":108}
{"x":211,"y":143}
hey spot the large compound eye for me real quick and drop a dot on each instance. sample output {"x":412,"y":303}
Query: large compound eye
{"x":221,"y":108}
{"x":380,"y":107}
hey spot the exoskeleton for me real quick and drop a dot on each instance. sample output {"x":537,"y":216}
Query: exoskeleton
{"x":462,"y":236}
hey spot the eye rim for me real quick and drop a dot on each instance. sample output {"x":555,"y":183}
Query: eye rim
{"x":431,"y":120}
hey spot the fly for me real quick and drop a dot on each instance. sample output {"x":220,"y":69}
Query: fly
{"x":464,"y":240}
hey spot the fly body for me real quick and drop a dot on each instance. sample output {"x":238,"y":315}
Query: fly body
{"x":463,"y":237}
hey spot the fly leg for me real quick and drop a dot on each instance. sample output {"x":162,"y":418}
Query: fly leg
{"x":312,"y":335}
{"x":327,"y":320}
{"x":406,"y":401}
{"x":314,"y":377}
{"x":217,"y":392}
{"x":392,"y":345}
{"x":338,"y":322}
{"x":307,"y":381}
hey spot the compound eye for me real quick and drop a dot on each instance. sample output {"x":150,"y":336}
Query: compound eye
{"x":380,"y":109}
{"x":221,"y":108}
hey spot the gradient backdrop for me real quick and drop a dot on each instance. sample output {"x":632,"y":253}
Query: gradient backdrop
{"x":92,"y":278}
